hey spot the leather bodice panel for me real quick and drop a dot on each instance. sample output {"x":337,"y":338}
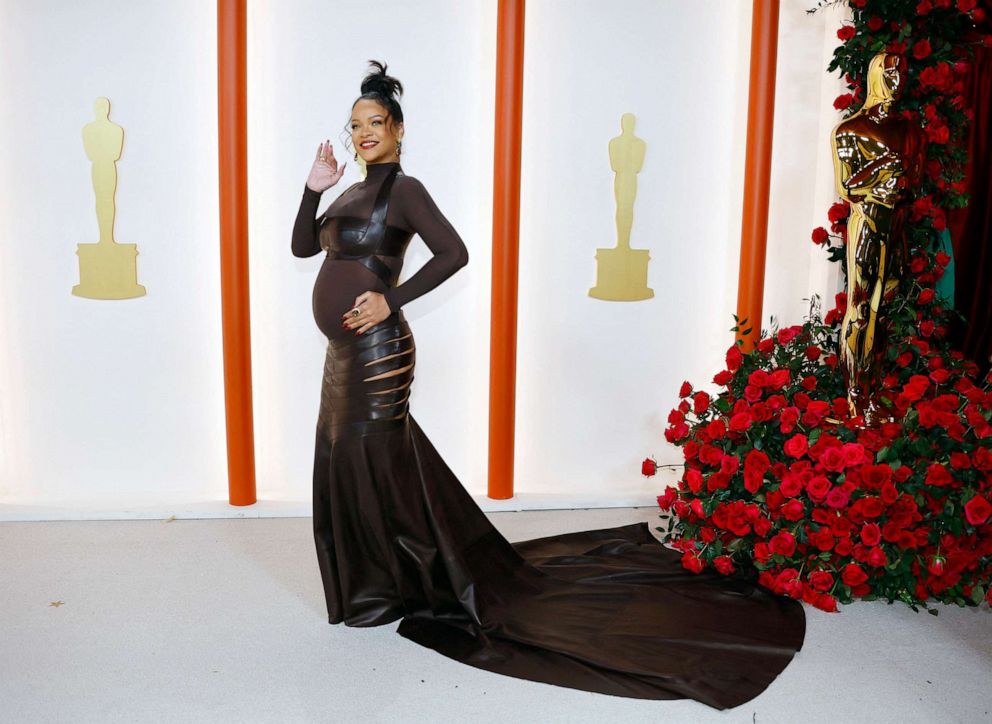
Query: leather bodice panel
{"x":364,"y":240}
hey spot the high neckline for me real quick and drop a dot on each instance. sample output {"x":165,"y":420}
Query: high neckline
{"x":378,"y":171}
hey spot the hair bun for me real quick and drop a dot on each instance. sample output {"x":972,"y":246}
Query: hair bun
{"x":378,"y":82}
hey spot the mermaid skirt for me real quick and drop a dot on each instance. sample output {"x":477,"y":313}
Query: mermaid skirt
{"x":610,"y":611}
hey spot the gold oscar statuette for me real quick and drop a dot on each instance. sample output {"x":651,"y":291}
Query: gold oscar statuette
{"x":107,"y":270}
{"x":878,"y":160}
{"x":622,"y":272}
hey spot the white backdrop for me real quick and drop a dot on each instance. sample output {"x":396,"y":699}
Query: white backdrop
{"x":116,"y":408}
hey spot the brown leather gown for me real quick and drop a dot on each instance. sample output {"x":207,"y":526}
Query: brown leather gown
{"x":399,"y":538}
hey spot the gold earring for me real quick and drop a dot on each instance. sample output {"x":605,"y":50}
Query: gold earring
{"x":399,"y":147}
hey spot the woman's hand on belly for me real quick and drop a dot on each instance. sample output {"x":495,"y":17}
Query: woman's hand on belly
{"x":372,"y":309}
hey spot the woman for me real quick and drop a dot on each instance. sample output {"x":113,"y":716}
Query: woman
{"x":397,"y":535}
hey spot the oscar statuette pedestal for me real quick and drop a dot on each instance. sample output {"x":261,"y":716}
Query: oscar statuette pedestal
{"x":108,"y":271}
{"x":621,"y":275}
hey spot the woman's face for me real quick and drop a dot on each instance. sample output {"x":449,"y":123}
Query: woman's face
{"x":372,"y":134}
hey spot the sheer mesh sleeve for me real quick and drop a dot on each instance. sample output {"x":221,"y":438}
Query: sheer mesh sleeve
{"x":417,"y":211}
{"x":305,"y":242}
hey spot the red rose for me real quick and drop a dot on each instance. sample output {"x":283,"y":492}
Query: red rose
{"x":783,"y":543}
{"x":710,"y":455}
{"x":779,"y":378}
{"x":788,"y":419}
{"x":966,"y":6}
{"x":792,"y":485}
{"x":700,"y":402}
{"x":938,"y":475}
{"x":648,"y":467}
{"x":694,"y":480}
{"x":843,"y":101}
{"x":877,"y":558}
{"x":817,"y":488}
{"x":846,"y":32}
{"x":666,"y":500}
{"x":960,"y":461}
{"x":724,"y":565}
{"x":788,"y":334}
{"x":793,"y":510}
{"x":875,"y":476}
{"x":762,"y":552}
{"x":838,"y":498}
{"x":875,"y":23}
{"x":740,"y":422}
{"x":691,"y":562}
{"x":821,"y":580}
{"x":696,"y":506}
{"x":717,"y":481}
{"x":816,"y":410}
{"x":685,"y":390}
{"x":838,"y":212}
{"x":853,"y":575}
{"x":832,"y":459}
{"x":796,"y":446}
{"x":825,"y":602}
{"x":977,"y":510}
{"x":752,"y":393}
{"x":872,"y":507}
{"x":982,"y":458}
{"x":820,"y":236}
{"x":758,"y":378}
{"x":734,"y":358}
{"x":757,"y":461}
{"x":854,"y":453}
{"x":922,"y":49}
{"x":823,"y":539}
{"x":916,"y":387}
{"x":871,"y":534}
{"x":723,"y":377}
{"x":936,"y":565}
{"x":729,"y":465}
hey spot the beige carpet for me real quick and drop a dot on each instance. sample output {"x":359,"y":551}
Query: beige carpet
{"x":223,"y":621}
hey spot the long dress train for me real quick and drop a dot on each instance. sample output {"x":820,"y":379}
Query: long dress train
{"x":398,"y":538}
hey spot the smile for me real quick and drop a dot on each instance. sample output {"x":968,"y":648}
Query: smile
{"x":369,"y":144}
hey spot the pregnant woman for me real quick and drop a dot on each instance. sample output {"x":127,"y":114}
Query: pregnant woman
{"x":397,"y":535}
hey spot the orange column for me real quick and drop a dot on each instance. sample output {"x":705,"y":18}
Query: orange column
{"x":233,"y":174}
{"x":506,"y":235}
{"x":757,"y":167}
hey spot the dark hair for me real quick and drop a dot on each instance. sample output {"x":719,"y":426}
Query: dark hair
{"x":385,"y":89}
{"x":381,"y":88}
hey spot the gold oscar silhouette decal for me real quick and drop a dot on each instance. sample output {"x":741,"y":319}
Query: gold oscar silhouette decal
{"x":878,"y":160}
{"x":622,"y":272}
{"x":107,"y":270}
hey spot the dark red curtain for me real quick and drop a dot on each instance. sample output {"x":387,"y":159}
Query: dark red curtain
{"x":971,"y":227}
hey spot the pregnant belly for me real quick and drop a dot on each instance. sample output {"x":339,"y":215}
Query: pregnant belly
{"x":338,"y":283}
